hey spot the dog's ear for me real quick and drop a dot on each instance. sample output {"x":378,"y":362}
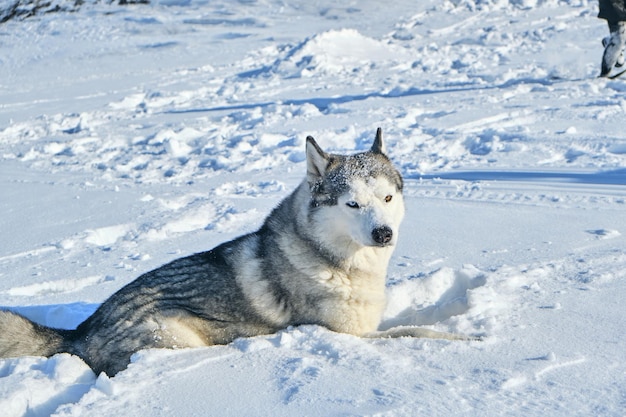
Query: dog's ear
{"x":379,"y":145}
{"x":316,"y":161}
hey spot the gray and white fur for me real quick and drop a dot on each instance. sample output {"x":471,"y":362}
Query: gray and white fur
{"x":320,"y":258}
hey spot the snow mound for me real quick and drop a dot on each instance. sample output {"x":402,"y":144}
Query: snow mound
{"x":433,"y":298}
{"x":334,"y":52}
{"x":38,"y":386}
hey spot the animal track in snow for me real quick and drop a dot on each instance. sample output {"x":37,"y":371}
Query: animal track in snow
{"x":298,"y":373}
{"x":604,"y":233}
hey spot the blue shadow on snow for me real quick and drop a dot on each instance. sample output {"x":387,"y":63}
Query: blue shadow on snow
{"x":612,"y":177}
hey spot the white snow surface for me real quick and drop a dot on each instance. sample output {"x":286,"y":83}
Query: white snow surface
{"x":133,"y":135}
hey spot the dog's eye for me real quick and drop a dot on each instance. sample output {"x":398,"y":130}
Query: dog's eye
{"x":388,"y":198}
{"x":352,"y":204}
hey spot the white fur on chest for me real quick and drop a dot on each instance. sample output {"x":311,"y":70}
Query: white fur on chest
{"x":353,"y":303}
{"x":348,"y":298}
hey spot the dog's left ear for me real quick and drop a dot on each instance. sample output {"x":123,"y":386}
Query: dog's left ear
{"x":316,"y":161}
{"x":379,"y":145}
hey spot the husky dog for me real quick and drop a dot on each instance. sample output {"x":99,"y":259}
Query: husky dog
{"x":320,"y":258}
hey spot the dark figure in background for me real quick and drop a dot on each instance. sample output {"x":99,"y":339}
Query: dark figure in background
{"x":614,"y":11}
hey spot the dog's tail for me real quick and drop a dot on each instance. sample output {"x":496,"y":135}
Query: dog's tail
{"x":22,"y":337}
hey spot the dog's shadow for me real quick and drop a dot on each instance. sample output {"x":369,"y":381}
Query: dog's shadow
{"x":59,"y":316}
{"x":431,"y":298}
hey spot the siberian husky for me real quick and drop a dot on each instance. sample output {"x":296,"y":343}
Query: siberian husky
{"x":319,"y":258}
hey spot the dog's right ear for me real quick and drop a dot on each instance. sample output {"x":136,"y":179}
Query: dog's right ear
{"x":316,"y":161}
{"x":379,"y":144}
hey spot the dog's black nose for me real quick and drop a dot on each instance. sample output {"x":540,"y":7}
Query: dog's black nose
{"x":382,"y":235}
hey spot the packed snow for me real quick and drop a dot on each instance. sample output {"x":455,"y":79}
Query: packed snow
{"x":133,"y":135}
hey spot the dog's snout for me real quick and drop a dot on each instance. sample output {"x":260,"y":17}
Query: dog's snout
{"x":382,"y":235}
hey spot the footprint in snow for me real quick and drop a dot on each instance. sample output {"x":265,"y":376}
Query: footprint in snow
{"x":604,"y":233}
{"x":298,"y":373}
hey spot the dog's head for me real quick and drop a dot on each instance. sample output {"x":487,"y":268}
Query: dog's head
{"x":356,"y":199}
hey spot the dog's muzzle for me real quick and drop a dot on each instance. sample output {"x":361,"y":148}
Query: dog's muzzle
{"x":382,"y":235}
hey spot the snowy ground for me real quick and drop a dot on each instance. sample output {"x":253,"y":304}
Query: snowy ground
{"x":130,"y":136}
